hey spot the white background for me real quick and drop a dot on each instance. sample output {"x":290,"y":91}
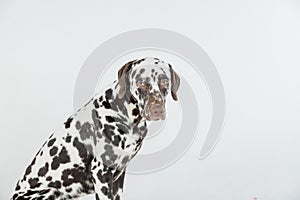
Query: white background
{"x":254,"y":44}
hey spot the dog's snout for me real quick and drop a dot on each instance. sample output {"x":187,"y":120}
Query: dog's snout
{"x":156,"y":107}
{"x":155,"y":98}
{"x":157,"y":111}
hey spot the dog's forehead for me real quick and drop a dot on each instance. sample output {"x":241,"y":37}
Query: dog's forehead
{"x":150,"y":71}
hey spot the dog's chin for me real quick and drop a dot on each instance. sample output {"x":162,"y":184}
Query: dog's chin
{"x":149,"y":118}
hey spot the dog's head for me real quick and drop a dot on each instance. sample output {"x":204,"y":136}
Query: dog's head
{"x":149,"y":81}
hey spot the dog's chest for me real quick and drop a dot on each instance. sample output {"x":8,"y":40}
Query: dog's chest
{"x":109,"y":133}
{"x":117,"y":147}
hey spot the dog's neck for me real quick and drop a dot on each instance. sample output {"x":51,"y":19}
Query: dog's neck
{"x":129,"y":105}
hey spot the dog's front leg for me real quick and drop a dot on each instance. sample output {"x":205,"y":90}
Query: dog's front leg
{"x":103,"y":180}
{"x":118,"y":184}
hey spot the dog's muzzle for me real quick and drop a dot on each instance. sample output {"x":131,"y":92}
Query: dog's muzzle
{"x":155,"y":108}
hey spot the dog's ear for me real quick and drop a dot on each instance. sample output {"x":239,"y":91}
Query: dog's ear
{"x":175,"y":82}
{"x":122,"y":78}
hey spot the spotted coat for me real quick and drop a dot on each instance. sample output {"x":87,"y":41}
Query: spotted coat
{"x":90,"y":151}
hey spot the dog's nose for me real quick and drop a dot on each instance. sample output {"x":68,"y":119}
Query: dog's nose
{"x":153,"y":100}
{"x":157,"y":111}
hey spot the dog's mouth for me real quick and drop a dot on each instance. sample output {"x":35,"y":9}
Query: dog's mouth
{"x":155,"y":111}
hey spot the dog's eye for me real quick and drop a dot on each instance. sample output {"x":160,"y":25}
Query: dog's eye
{"x":164,"y":83}
{"x":142,"y":85}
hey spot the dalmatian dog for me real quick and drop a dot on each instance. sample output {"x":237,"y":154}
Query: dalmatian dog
{"x":90,"y":152}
